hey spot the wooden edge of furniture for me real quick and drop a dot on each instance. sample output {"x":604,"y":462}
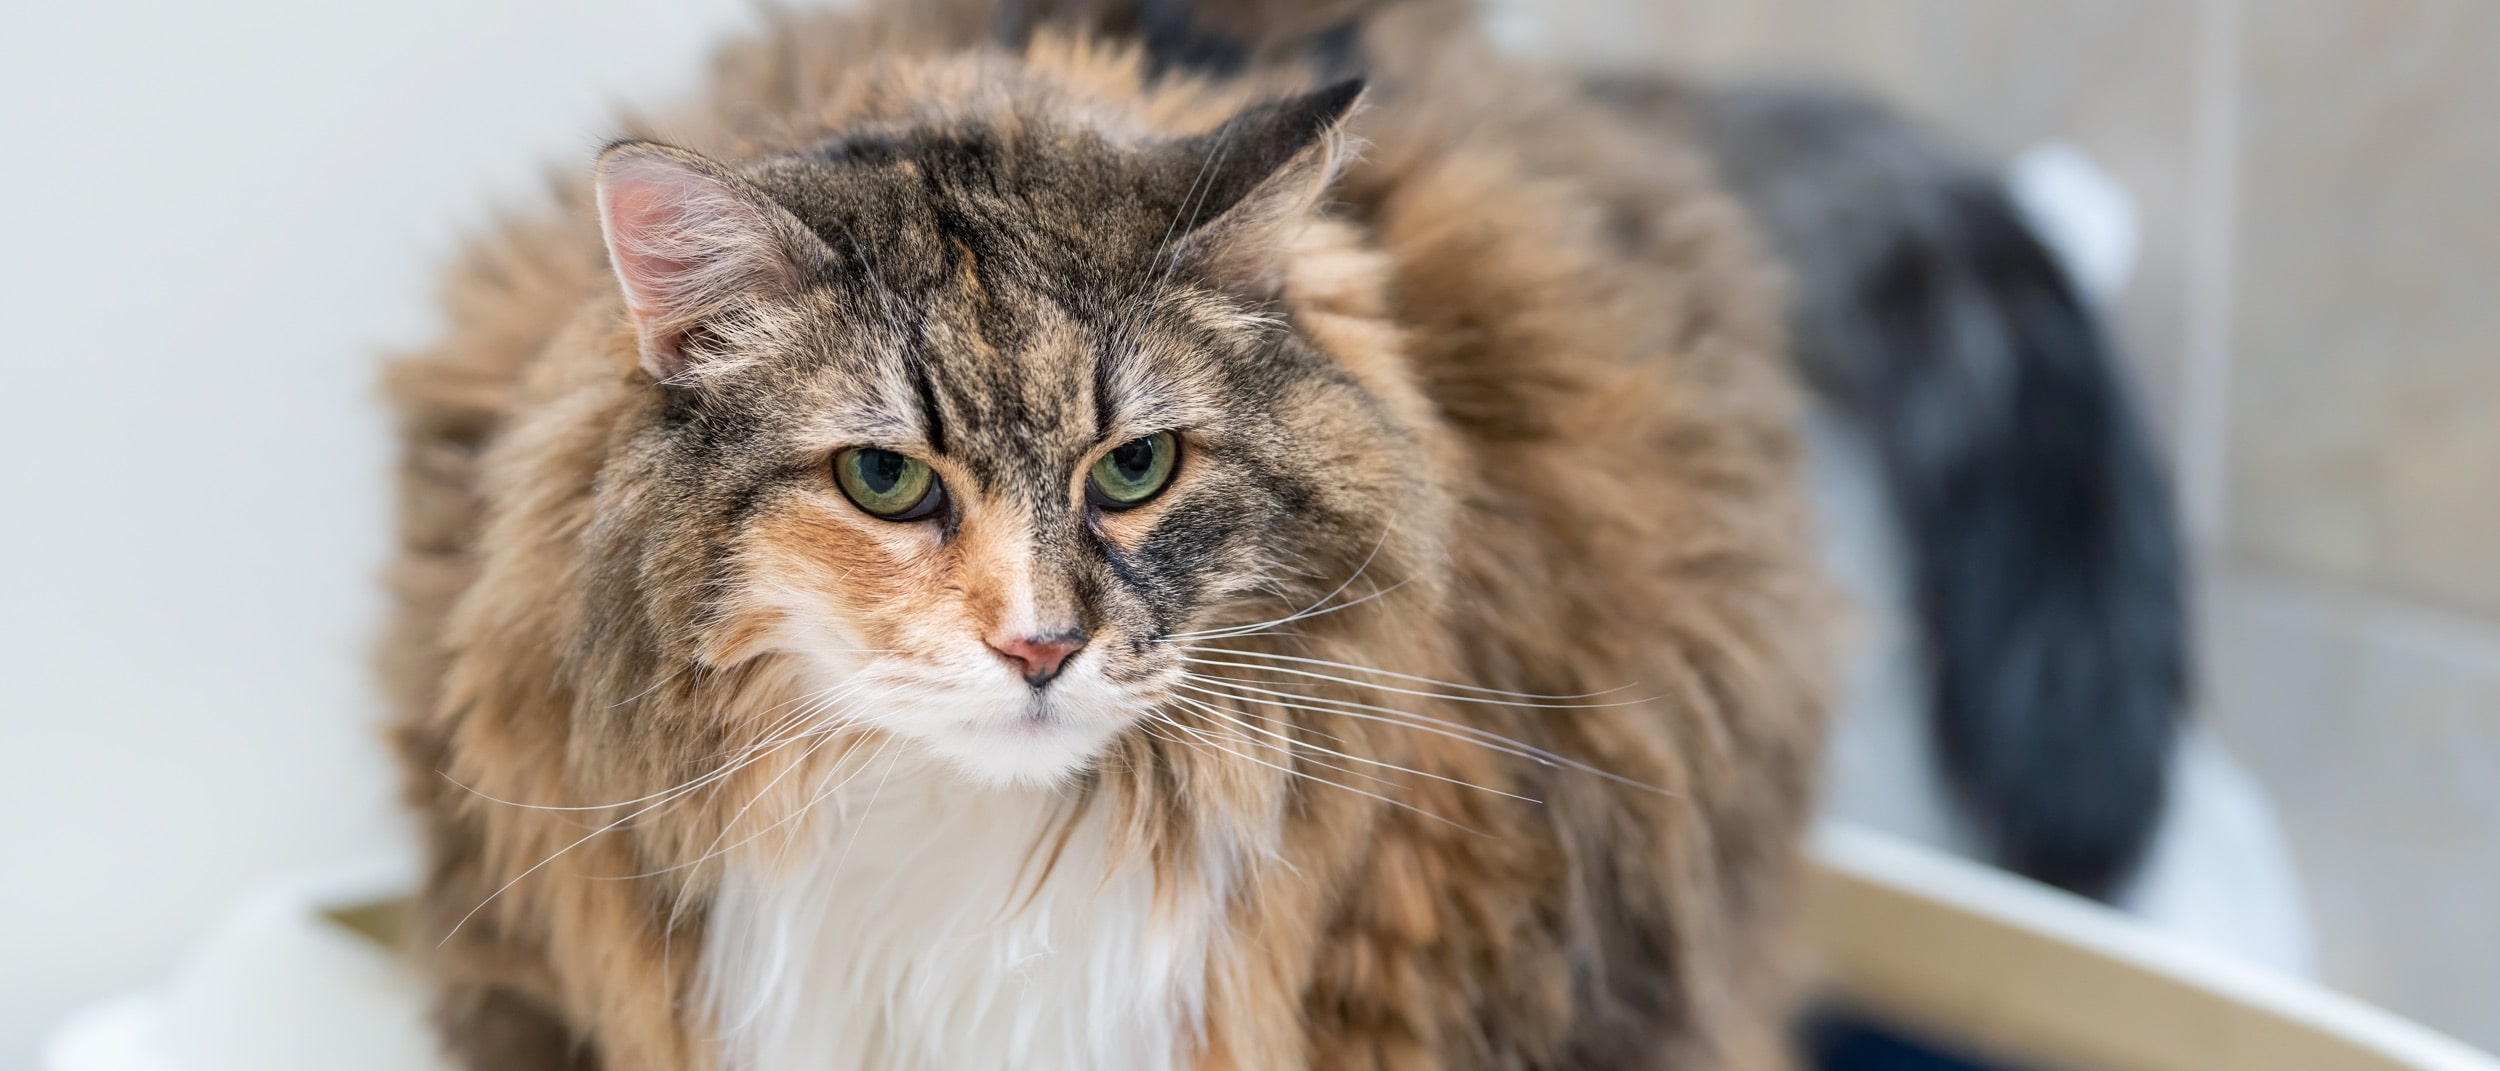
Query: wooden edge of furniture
{"x":2007,"y":968}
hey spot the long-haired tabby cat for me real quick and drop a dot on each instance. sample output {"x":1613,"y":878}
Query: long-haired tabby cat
{"x":1080,"y":536}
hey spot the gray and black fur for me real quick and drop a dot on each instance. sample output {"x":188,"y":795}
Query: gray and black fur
{"x":2046,"y":561}
{"x":2044,"y":557}
{"x":1220,"y":38}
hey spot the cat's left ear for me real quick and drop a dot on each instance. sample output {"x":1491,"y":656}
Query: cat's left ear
{"x":689,"y":240}
{"x":1255,"y":180}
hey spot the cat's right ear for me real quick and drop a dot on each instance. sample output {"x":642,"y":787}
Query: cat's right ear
{"x":689,"y":239}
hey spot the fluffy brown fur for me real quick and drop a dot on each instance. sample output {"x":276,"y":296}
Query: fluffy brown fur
{"x":1537,"y":348}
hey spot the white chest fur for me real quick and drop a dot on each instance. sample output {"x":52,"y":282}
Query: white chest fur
{"x":895,"y":936}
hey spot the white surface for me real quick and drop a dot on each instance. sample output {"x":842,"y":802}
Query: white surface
{"x":2083,"y":212}
{"x":1879,"y":768}
{"x":278,"y":988}
{"x":2220,"y":868}
{"x":217,"y":216}
{"x":1986,"y":893}
{"x":275,"y":986}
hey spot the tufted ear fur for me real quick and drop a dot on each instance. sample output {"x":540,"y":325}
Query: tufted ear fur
{"x":689,"y":240}
{"x":1256,"y":178}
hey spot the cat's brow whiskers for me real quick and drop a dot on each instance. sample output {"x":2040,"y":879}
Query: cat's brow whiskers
{"x":1231,"y":688}
{"x":1193,"y":200}
{"x":1148,"y":295}
{"x":1297,"y":743}
{"x":885,"y":298}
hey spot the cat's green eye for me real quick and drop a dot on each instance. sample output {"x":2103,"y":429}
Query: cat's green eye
{"x":887,"y":484}
{"x":1134,"y":471}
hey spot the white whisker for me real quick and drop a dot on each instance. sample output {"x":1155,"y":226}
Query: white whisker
{"x":1166,"y":719}
{"x":1400,"y":676}
{"x":1289,"y":749}
{"x":1313,"y":610}
{"x":1214,"y":711}
{"x":1516,"y":705}
{"x":730,"y":766}
{"x":534,"y":868}
{"x":1466,"y":734}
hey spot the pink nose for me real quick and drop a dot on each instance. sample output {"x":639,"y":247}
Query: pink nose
{"x":1039,"y":658}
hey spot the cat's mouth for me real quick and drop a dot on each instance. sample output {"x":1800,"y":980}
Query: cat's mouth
{"x":1042,"y":739}
{"x":1039,"y":712}
{"x":1034,"y":721}
{"x":1033,"y":713}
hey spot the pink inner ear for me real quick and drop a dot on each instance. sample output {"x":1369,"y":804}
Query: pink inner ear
{"x":683,"y":239}
{"x":687,"y":240}
{"x":638,"y":215}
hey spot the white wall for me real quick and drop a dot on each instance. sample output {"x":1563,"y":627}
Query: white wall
{"x":216,"y":218}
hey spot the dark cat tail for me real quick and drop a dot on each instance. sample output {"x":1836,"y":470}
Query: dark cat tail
{"x":2043,"y":553}
{"x":1226,"y":37}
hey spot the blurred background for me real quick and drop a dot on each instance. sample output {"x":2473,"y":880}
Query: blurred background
{"x":220,"y":216}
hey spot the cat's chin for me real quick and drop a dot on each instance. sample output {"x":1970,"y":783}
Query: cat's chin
{"x":1021,"y":752}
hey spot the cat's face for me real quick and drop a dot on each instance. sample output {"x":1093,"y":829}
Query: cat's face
{"x":981,"y":429}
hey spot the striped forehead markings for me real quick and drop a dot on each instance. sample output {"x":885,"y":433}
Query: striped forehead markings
{"x":932,"y":423}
